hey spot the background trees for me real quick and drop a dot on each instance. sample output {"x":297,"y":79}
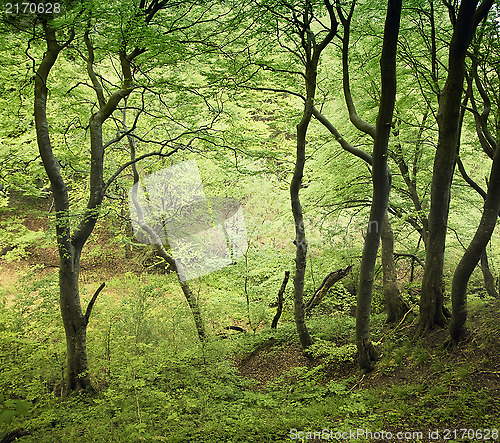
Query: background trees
{"x":247,"y":90}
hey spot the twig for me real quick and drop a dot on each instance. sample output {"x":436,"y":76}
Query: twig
{"x":356,"y":384}
{"x":398,"y":325}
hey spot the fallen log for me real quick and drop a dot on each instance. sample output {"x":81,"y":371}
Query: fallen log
{"x":328,"y":282}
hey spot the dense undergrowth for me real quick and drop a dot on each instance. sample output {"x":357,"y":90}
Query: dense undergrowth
{"x":155,"y":382}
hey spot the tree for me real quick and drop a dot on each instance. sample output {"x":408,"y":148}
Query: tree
{"x":312,"y":52}
{"x":396,"y":305}
{"x":432,"y":293}
{"x":131,"y":31}
{"x":381,"y":185}
{"x":476,"y":251}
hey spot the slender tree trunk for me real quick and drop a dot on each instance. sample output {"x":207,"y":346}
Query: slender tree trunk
{"x":396,"y":306}
{"x":474,"y":251}
{"x":489,"y":281}
{"x":381,"y":185}
{"x":300,"y":236}
{"x":388,"y":265}
{"x":432,"y":293}
{"x":312,"y":52}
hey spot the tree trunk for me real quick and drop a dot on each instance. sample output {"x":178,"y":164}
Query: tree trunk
{"x":489,"y":281}
{"x":473,"y":253}
{"x":75,"y":323}
{"x":432,"y":293}
{"x":300,"y":236}
{"x":396,"y":306}
{"x":70,"y":245}
{"x":75,"y":327}
{"x":312,"y":52}
{"x":381,"y":185}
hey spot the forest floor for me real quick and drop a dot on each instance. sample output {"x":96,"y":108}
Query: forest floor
{"x":154,"y":384}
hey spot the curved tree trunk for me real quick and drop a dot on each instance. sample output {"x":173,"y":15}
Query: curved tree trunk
{"x":70,"y":244}
{"x":75,"y":322}
{"x":432,"y":293}
{"x":474,"y":251}
{"x":300,"y":236}
{"x":396,"y":305}
{"x":312,"y":51}
{"x":381,"y":185}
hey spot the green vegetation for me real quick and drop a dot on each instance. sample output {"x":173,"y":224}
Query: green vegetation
{"x":178,"y":177}
{"x":156,"y":382}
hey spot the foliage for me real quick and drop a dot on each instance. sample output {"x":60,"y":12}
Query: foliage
{"x":213,"y":85}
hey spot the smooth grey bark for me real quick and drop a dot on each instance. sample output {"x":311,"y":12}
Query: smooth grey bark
{"x":473,"y":253}
{"x":381,"y":185}
{"x":432,"y":292}
{"x":312,"y":51}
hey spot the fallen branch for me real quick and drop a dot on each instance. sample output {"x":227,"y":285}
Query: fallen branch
{"x":328,"y":282}
{"x":276,"y":318}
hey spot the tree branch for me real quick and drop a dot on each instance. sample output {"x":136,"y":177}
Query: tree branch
{"x":91,"y":304}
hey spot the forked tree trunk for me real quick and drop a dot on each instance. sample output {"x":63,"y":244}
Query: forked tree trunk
{"x":75,"y":322}
{"x":381,"y":186}
{"x":396,"y":306}
{"x":70,"y":244}
{"x":312,"y":52}
{"x":432,"y":293}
